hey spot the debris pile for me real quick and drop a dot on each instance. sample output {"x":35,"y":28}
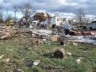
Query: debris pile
{"x":7,"y":32}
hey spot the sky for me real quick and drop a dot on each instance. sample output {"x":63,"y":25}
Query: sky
{"x":66,"y":8}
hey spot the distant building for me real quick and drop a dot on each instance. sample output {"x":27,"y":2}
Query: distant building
{"x":91,"y":25}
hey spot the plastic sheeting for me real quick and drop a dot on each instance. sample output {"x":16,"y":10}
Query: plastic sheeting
{"x":83,"y":39}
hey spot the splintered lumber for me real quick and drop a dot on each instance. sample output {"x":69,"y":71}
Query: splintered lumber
{"x":55,"y":38}
{"x":7,"y":33}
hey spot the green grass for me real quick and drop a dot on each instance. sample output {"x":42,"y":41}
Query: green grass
{"x":18,"y":51}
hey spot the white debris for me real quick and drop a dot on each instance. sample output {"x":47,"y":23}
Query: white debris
{"x":20,"y":70}
{"x":78,"y":60}
{"x":36,"y":62}
{"x":11,"y":50}
{"x":1,"y":56}
{"x":64,"y":44}
{"x":33,"y":35}
{"x":31,"y":26}
{"x":6,"y":60}
{"x":42,"y":32}
{"x":83,"y":39}
{"x":69,"y":53}
{"x":67,"y":36}
{"x":44,"y":40}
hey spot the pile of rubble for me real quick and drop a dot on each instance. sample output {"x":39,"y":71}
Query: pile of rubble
{"x":48,"y":35}
{"x":7,"y":32}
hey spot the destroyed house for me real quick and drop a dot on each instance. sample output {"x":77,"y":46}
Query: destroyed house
{"x":91,"y":25}
{"x":41,"y":16}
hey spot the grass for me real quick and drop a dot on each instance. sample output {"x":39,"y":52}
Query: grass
{"x":20,"y":50}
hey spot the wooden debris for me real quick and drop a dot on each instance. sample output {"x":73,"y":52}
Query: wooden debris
{"x":6,"y":60}
{"x":37,"y":43}
{"x":6,"y":36}
{"x":55,"y":38}
{"x":8,"y":32}
{"x":1,"y":56}
{"x":59,"y":53}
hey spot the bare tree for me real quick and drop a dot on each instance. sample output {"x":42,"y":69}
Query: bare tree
{"x":8,"y":18}
{"x":7,"y":12}
{"x":81,"y":18}
{"x":15,"y":8}
{"x":27,"y":11}
{"x":1,"y":14}
{"x":1,"y":9}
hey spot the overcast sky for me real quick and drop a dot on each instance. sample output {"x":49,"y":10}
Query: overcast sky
{"x":64,"y":7}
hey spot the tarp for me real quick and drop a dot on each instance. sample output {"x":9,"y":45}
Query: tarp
{"x":83,"y":39}
{"x":42,"y":32}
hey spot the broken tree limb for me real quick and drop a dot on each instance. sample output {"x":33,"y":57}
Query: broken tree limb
{"x":59,"y":53}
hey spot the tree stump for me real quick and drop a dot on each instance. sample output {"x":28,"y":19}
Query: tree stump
{"x":59,"y":53}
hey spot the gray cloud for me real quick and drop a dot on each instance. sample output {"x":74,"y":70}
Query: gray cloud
{"x":70,"y":6}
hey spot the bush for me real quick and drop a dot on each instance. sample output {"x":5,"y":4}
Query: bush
{"x":1,"y":20}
